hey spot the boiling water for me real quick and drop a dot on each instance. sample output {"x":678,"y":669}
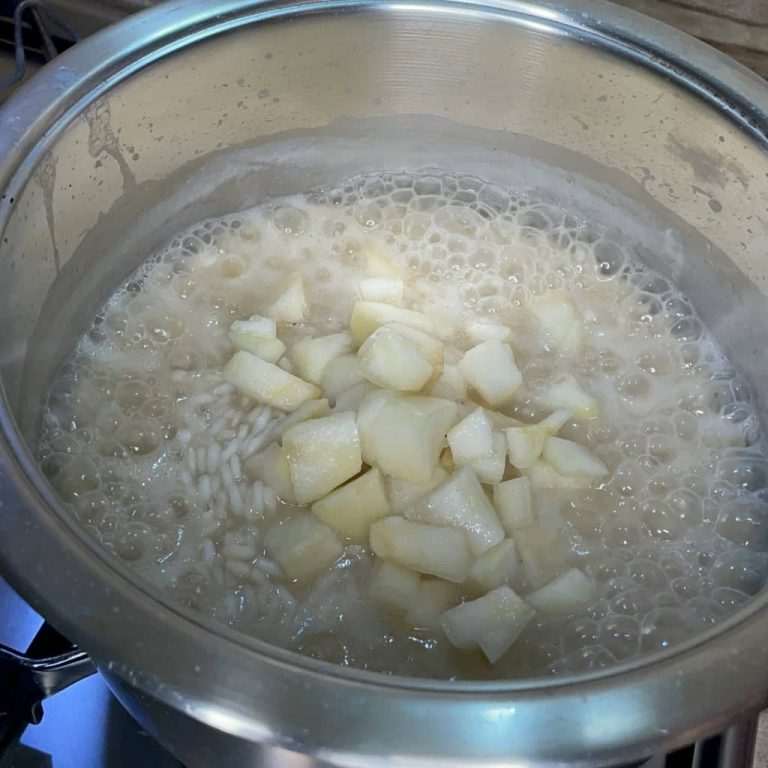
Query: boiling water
{"x":147,"y":443}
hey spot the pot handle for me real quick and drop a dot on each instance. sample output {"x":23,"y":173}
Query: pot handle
{"x":50,"y":664}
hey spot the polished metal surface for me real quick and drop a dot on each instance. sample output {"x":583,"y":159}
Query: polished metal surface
{"x":198,"y":108}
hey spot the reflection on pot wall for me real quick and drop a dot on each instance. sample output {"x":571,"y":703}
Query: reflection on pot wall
{"x":121,"y":155}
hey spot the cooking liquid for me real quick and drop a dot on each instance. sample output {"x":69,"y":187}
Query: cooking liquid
{"x":147,"y":444}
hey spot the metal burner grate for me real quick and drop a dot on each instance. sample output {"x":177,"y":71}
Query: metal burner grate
{"x":733,"y":749}
{"x":30,"y":30}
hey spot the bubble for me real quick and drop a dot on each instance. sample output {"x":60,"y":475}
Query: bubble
{"x":729,"y":599}
{"x":157,"y":518}
{"x":686,"y":587}
{"x":743,"y":521}
{"x":741,"y":570}
{"x":231,"y":268}
{"x":629,"y":479}
{"x":609,"y":568}
{"x":686,"y":505}
{"x":579,"y":633}
{"x":620,"y":635}
{"x":702,"y":612}
{"x":687,"y":329}
{"x":108,"y":446}
{"x":590,"y":659}
{"x":138,"y":438}
{"x":91,"y":507}
{"x":661,"y":628}
{"x":622,"y":533}
{"x":648,"y":574}
{"x":65,"y":443}
{"x":663,"y":448}
{"x":610,"y":259}
{"x":633,"y":601}
{"x":666,"y":600}
{"x":131,"y":394}
{"x":655,"y":363}
{"x":748,"y":472}
{"x":74,"y":476}
{"x":132,"y":541}
{"x":290,"y":220}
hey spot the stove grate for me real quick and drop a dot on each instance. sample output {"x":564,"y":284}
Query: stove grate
{"x":32,"y":29}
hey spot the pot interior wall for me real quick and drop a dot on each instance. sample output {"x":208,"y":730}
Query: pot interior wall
{"x":276,"y":108}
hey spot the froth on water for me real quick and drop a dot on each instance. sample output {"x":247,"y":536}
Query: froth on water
{"x":147,"y":444}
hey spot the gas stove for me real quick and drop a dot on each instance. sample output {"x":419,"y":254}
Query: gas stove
{"x":83,"y":726}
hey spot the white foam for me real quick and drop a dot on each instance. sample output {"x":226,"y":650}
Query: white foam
{"x":147,"y":443}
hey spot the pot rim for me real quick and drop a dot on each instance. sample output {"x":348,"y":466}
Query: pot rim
{"x":30,"y":122}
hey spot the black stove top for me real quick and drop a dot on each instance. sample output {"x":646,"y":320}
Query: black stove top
{"x":83,"y":726}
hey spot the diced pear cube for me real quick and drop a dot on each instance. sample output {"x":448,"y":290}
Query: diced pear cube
{"x":548,"y":503}
{"x":352,"y":398}
{"x":542,"y":553}
{"x":394,"y":587}
{"x":553,"y":423}
{"x":565,"y":392}
{"x":312,"y":409}
{"x":436,"y":550}
{"x":430,"y":347}
{"x":492,"y":622}
{"x":271,"y":467}
{"x":570,"y":458}
{"x":461,"y":503}
{"x":340,"y":374}
{"x":495,"y":567}
{"x":370,"y":408}
{"x":267,"y":383}
{"x":302,"y":546}
{"x":379,"y":264}
{"x":472,"y":438}
{"x":322,"y":454}
{"x":491,"y":370}
{"x":256,"y":325}
{"x":514,"y":504}
{"x":490,"y":469}
{"x":434,"y":597}
{"x":524,"y":445}
{"x":311,"y":356}
{"x":257,"y":335}
{"x":568,"y":593}
{"x":290,"y":306}
{"x":526,"y":442}
{"x":403,"y":493}
{"x":561,"y":320}
{"x":486,"y":330}
{"x":390,"y":360}
{"x":387,"y":289}
{"x":367,"y":316}
{"x":502,"y":421}
{"x":270,"y":350}
{"x":351,"y":509}
{"x":446,"y":460}
{"x":404,"y":435}
{"x":543,"y":475}
{"x":451,"y":384}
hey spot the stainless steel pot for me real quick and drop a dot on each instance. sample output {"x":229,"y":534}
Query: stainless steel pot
{"x":202,"y":107}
